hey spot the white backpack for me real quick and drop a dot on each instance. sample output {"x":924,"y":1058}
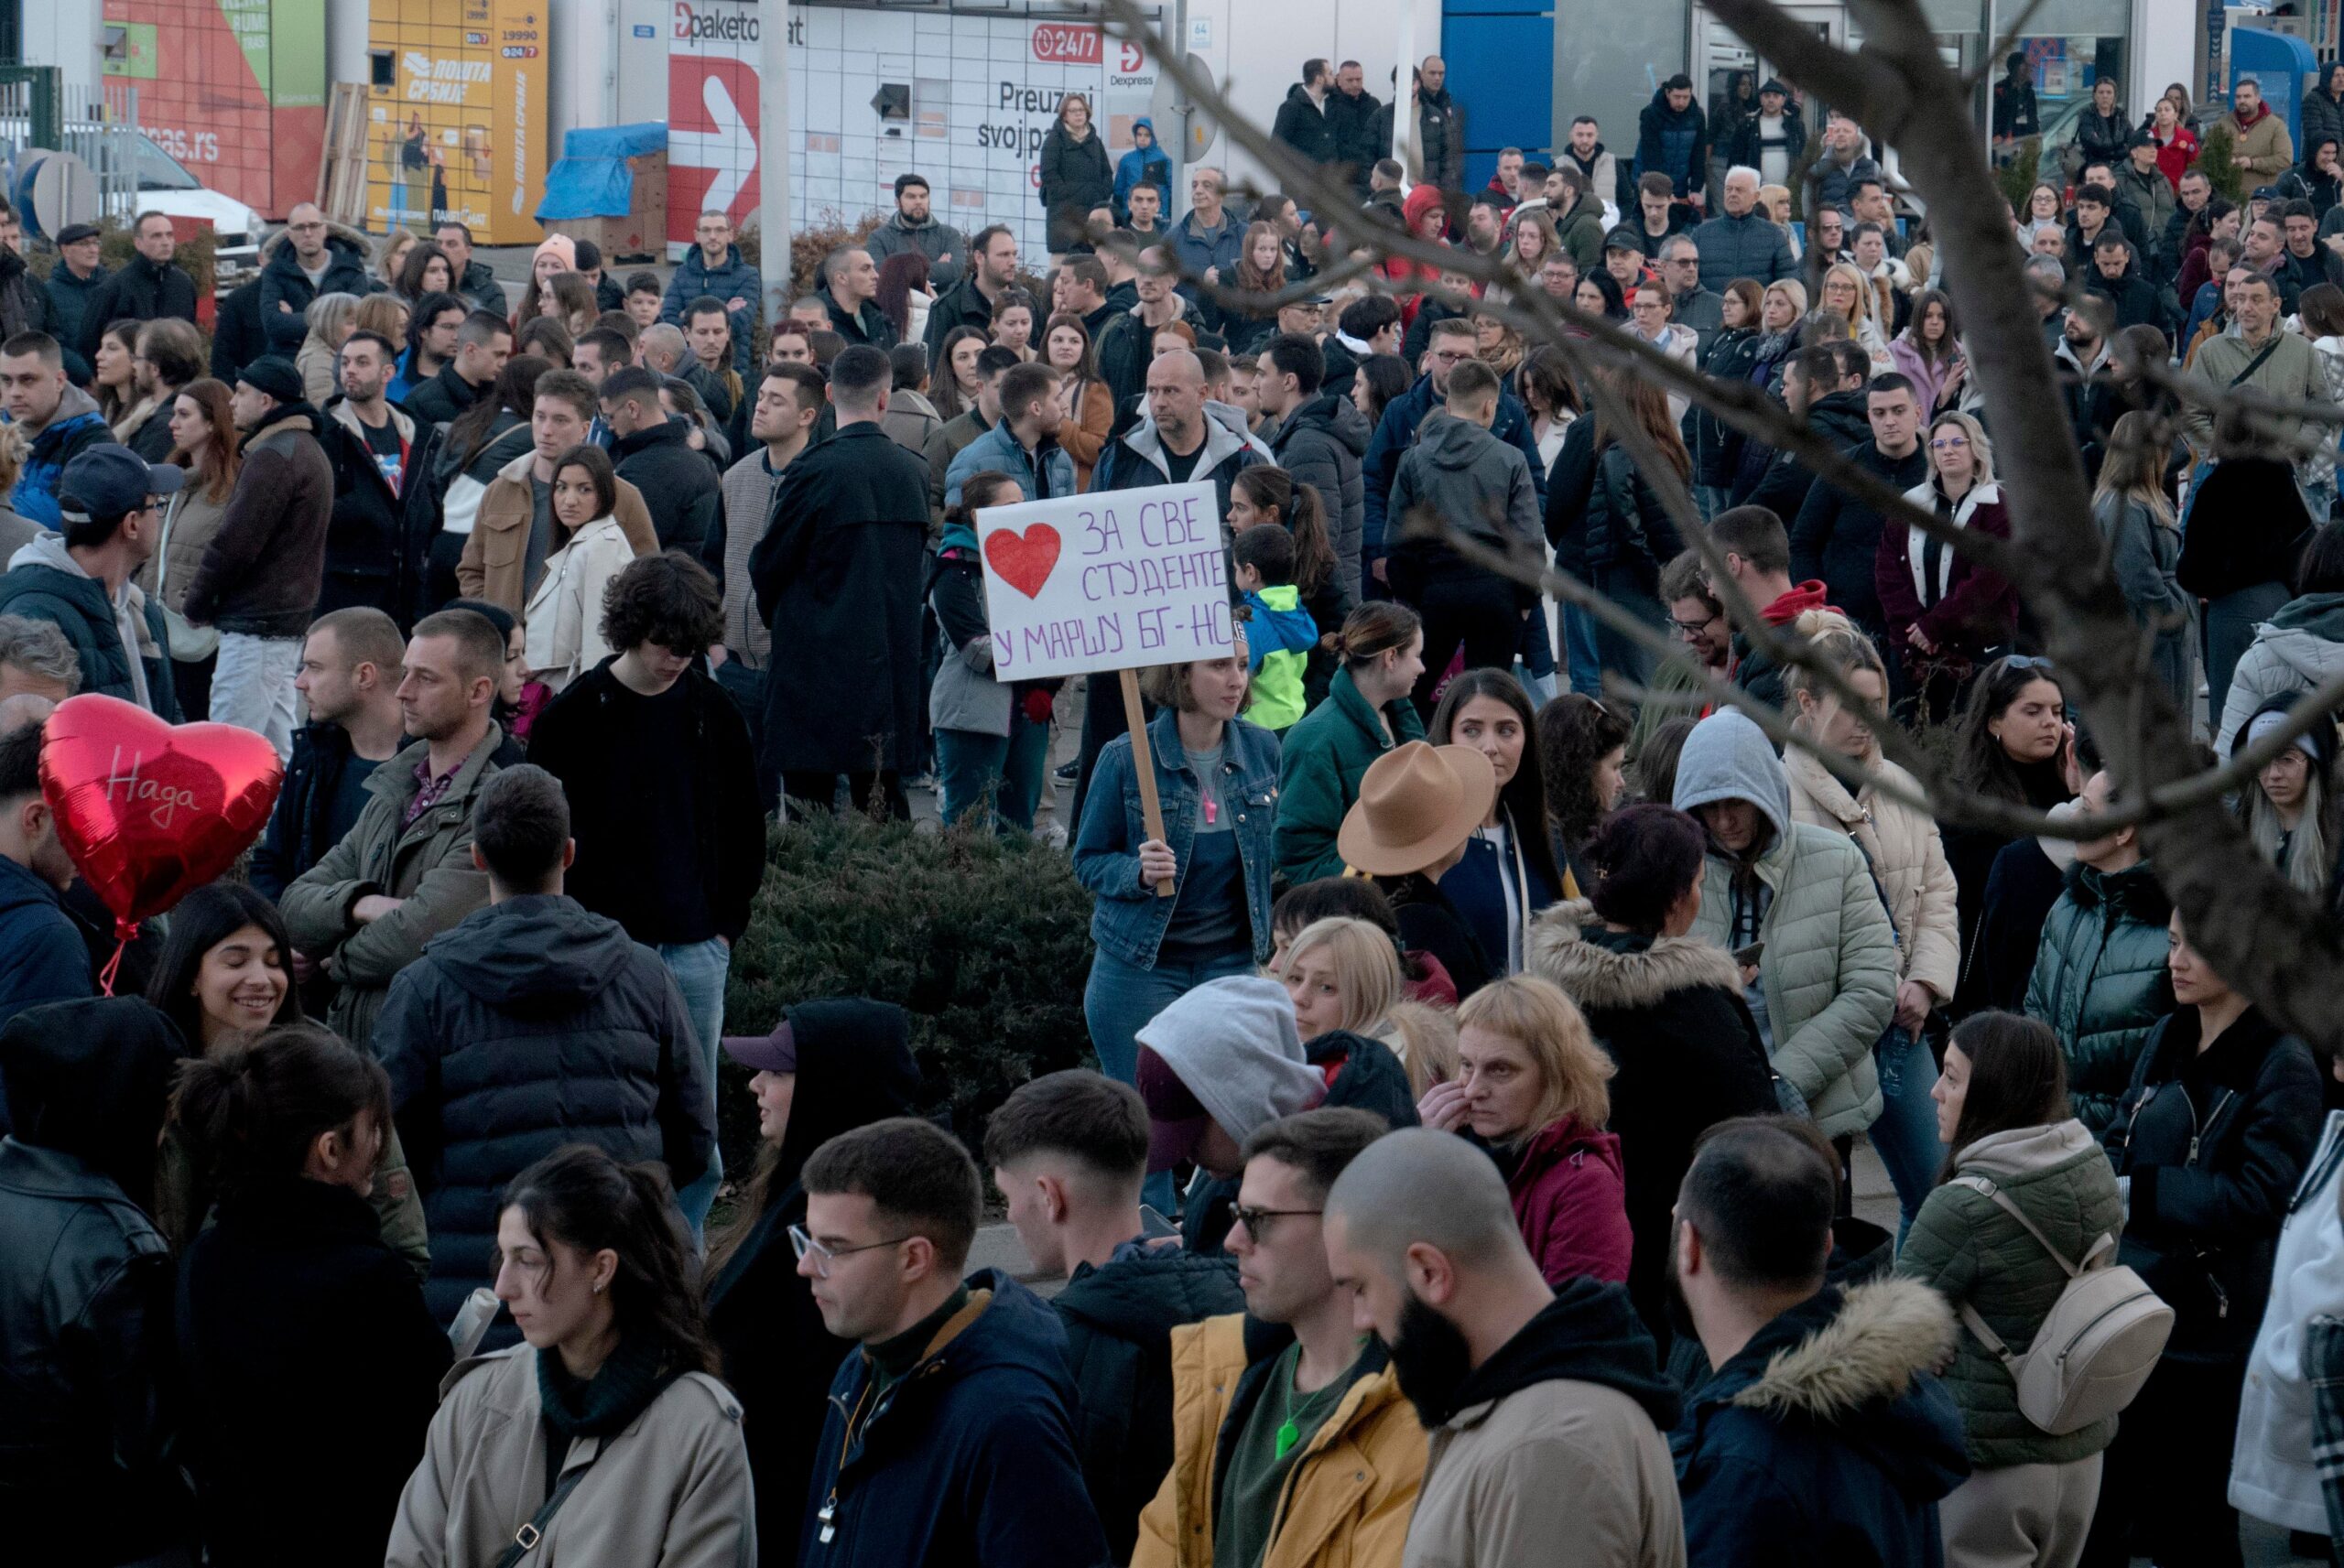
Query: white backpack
{"x":2098,"y":1343}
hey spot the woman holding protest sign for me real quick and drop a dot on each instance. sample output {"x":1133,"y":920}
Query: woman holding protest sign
{"x":1216,"y":778}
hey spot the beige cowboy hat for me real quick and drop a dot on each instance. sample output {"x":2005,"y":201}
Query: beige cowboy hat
{"x":1415,"y":805}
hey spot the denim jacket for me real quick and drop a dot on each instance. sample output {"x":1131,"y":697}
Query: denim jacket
{"x":1128,"y":919}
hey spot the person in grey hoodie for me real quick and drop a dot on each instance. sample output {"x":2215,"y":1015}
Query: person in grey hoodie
{"x":2298,"y":648}
{"x":1797,"y":906}
{"x":530,"y":1025}
{"x":1458,"y":475}
{"x":79,"y":580}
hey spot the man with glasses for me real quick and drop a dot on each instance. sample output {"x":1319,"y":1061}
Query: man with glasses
{"x":1693,"y":304}
{"x":528,"y":1025}
{"x":1698,"y":620}
{"x":1288,"y":1421}
{"x":949,"y":1435}
{"x":110,"y":513}
{"x":313,"y":257}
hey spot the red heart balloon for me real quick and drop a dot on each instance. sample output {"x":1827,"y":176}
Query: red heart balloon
{"x":1025,"y":561}
{"x":150,"y":811}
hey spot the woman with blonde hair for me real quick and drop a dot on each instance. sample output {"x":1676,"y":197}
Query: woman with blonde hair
{"x":1775,"y":201}
{"x":1946,"y":615}
{"x":1531,"y":1089}
{"x":2136,"y":519}
{"x":1343,"y":974}
{"x":1498,"y":346}
{"x":331,"y":319}
{"x":391,"y":258}
{"x":1423,"y":1035}
{"x":384,"y":313}
{"x":1847,"y":297}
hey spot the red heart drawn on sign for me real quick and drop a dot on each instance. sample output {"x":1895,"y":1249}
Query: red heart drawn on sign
{"x":1024,"y":561}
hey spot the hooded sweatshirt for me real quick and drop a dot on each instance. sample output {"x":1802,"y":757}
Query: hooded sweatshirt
{"x":854,"y":1067}
{"x":1556,"y":1437}
{"x":1825,"y":1438}
{"x":530,"y":1025}
{"x":1234,"y":1043}
{"x":76,"y":426}
{"x":1474,"y":481}
{"x":1278,"y":639}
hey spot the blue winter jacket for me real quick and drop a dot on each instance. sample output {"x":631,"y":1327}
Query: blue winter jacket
{"x":1129,"y":920}
{"x":1151,"y":164}
{"x":42,"y":956}
{"x":735,"y":279}
{"x":1827,"y":1439}
{"x":1398,"y":432}
{"x":77,"y":605}
{"x":968,"y":1458}
{"x":34,"y":496}
{"x":997,"y":449}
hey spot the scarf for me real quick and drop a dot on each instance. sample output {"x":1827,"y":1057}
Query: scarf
{"x":605,"y":1404}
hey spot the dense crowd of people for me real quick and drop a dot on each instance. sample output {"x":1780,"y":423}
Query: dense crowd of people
{"x":1485,"y":1010}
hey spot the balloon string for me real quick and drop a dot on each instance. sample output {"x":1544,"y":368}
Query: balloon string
{"x":125,"y":932}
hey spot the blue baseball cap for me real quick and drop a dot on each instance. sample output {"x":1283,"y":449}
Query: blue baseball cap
{"x":111,"y":480}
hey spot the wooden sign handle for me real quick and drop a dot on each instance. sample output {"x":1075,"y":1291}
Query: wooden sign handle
{"x":1151,"y":809}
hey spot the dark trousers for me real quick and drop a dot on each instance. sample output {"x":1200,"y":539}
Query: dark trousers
{"x":191,"y":684}
{"x":1475,"y":611}
{"x":810,"y":791}
{"x":2165,"y":1491}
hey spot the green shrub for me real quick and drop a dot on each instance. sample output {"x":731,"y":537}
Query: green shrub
{"x":2017,"y":177}
{"x":2214,"y":152}
{"x":985,"y":941}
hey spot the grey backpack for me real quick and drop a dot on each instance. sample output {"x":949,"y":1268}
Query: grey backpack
{"x":2098,"y":1343}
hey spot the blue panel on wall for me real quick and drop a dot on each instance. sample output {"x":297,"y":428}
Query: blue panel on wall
{"x":1507,"y":48}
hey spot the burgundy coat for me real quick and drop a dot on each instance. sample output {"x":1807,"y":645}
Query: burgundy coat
{"x":1571,"y":1198}
{"x":1979,"y":610}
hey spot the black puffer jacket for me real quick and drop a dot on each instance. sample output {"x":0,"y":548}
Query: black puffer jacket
{"x":1836,"y":536}
{"x":85,"y":1285}
{"x":854,"y":1067}
{"x":1321,"y":444}
{"x":530,"y":1025}
{"x":1119,"y":1322}
{"x":286,"y":293}
{"x":1603,"y":515}
{"x":140,"y":290}
{"x":681,"y":487}
{"x":1716,"y":447}
{"x":2214,"y":1142}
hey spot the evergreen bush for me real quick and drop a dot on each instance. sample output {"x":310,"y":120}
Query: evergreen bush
{"x":984,"y":940}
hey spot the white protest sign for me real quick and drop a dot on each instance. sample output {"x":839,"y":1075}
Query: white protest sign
{"x":1116,"y":580}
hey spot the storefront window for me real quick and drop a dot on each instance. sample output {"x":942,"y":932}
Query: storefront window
{"x":2069,"y":45}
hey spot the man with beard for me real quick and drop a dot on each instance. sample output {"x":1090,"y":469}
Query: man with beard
{"x":1821,"y":1433}
{"x":1288,"y":1425}
{"x":1546,"y":1408}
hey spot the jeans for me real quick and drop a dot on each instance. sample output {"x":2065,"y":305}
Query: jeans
{"x":1631,"y":662}
{"x":1117,"y":1003}
{"x":2230,"y":631}
{"x":1586,"y":659}
{"x":971,"y":766}
{"x":1712,"y":499}
{"x":699,"y":969}
{"x":1905,"y":1136}
{"x":252,"y":687}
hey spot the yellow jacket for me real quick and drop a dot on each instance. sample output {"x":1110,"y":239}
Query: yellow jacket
{"x":1348,"y":1499}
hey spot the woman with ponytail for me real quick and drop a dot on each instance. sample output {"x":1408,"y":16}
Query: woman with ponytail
{"x":292,"y":1291}
{"x":606,"y":1432}
{"x":1265,"y":494}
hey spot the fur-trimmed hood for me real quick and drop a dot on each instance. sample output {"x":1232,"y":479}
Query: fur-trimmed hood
{"x":1868,"y":1350}
{"x":1566,"y":945}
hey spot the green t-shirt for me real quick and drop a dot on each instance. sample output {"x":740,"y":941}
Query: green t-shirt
{"x":1277,"y":1430}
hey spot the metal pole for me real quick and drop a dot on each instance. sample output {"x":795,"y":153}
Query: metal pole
{"x":773,"y":157}
{"x":1404,"y":127}
{"x":1185,"y":112}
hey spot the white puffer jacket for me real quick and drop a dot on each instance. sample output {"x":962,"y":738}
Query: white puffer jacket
{"x":1907,"y":855}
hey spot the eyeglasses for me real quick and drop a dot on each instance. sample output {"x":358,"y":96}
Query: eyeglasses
{"x":2026,"y":662}
{"x":806,"y":1246}
{"x":1256,"y":1220}
{"x":1948,"y":443}
{"x":1693,"y":628}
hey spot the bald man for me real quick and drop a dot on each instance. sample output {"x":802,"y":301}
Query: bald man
{"x":1173,"y":443}
{"x":1546,"y":1410}
{"x":318,"y":258}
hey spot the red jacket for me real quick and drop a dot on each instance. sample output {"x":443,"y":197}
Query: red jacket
{"x":2175,"y":156}
{"x":1979,"y":608}
{"x":1571,"y":1201}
